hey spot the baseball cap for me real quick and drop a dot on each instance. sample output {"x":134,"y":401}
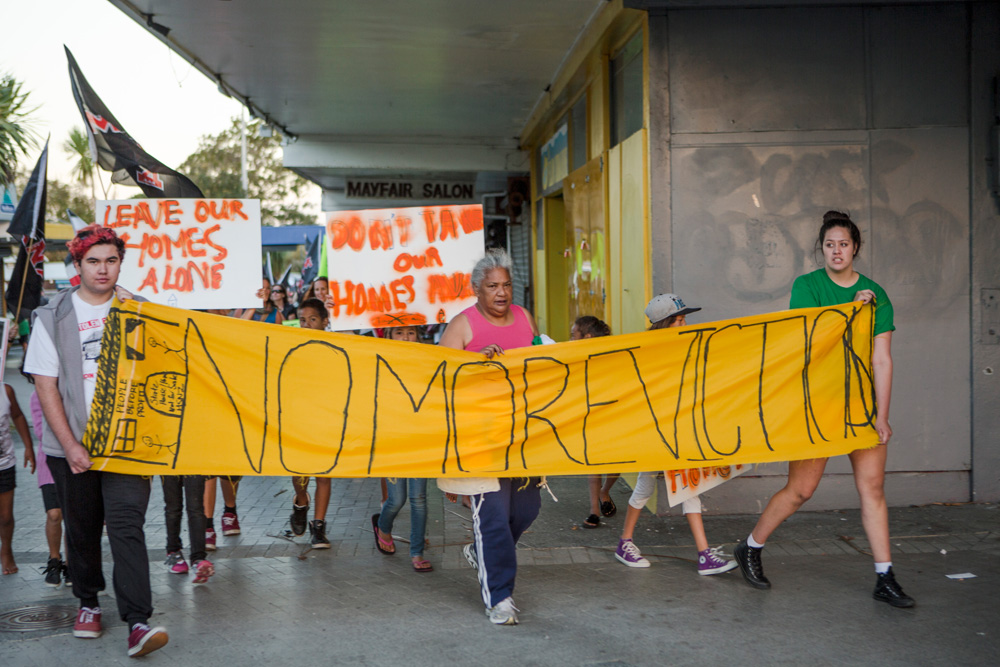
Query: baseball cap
{"x":663,"y":306}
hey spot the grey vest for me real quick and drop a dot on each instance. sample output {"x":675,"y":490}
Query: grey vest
{"x":59,"y":319}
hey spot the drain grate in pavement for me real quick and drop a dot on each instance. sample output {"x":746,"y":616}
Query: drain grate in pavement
{"x":37,"y":617}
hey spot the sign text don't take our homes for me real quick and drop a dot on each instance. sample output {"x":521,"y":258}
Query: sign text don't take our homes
{"x":402,"y":266}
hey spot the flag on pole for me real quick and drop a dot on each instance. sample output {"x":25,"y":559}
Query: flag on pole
{"x":310,"y":265}
{"x":115,"y":151}
{"x":283,"y":281}
{"x":24,"y":292}
{"x":75,"y":220}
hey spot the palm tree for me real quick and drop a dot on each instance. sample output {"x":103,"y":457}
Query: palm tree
{"x":16,"y":134}
{"x":78,"y":147}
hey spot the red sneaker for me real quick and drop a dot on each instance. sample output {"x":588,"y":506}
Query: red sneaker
{"x":144,"y":640}
{"x":210,"y":539}
{"x":202,"y":571}
{"x":88,"y":623}
{"x":230,"y":524}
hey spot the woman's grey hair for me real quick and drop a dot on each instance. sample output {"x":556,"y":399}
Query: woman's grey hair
{"x":496,"y":258}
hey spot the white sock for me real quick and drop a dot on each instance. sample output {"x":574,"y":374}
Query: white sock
{"x":882,"y":568}
{"x":754,"y":543}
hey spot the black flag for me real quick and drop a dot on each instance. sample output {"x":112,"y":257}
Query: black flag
{"x":28,"y":226}
{"x":283,"y":281}
{"x":310,"y":266}
{"x":119,"y":153}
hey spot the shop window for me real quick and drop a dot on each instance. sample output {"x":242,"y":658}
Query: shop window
{"x":626,"y":91}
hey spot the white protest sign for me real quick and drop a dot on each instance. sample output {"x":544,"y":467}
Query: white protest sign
{"x":684,"y":484}
{"x":402,"y":266}
{"x":189,"y":253}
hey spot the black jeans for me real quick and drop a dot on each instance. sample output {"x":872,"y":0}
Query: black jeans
{"x":89,"y":501}
{"x":180,"y":491}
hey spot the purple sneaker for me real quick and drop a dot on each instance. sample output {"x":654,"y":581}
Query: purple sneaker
{"x":629,"y":554}
{"x":175,"y":563}
{"x":713,"y":561}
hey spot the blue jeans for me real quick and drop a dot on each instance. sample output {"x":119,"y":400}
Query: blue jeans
{"x":418,"y":510}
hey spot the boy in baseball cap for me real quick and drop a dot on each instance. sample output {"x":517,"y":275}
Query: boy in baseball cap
{"x":663,"y":307}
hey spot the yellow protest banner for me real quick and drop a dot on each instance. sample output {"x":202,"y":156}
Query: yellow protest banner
{"x":181,"y":392}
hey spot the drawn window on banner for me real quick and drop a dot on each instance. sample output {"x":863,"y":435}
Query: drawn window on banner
{"x":402,"y":266}
{"x":189,"y":253}
{"x":685,"y":484}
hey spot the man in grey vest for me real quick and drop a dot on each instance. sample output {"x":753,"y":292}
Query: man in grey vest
{"x":62,"y":355}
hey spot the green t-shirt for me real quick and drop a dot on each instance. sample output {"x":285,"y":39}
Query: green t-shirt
{"x":815,"y":289}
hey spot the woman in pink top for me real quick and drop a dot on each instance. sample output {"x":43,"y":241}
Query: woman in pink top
{"x":502,"y":509}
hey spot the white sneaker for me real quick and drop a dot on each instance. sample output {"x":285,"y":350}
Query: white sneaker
{"x":503,"y":613}
{"x":470,"y":555}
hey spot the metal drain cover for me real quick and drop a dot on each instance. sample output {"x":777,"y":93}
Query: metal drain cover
{"x":37,"y":617}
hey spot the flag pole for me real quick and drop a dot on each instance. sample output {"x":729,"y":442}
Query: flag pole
{"x":24,"y":279}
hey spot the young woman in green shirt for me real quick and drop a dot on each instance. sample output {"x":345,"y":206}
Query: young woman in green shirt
{"x":837,"y":283}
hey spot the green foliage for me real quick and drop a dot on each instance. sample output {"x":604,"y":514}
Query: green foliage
{"x":215,"y":168}
{"x":77,"y":146}
{"x":61,"y":196}
{"x":16,"y":134}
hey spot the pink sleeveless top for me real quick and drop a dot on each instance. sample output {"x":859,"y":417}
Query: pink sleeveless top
{"x":518,"y":334}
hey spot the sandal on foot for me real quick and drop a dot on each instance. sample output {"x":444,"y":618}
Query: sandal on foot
{"x":608,"y":507}
{"x":423,"y":566}
{"x":386,"y":546}
{"x":592,"y":521}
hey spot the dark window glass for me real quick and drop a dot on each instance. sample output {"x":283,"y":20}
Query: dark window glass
{"x":626,"y":91}
{"x":539,"y":225}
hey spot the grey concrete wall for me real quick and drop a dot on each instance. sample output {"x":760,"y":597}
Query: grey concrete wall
{"x":985,"y":244}
{"x":777,"y":115}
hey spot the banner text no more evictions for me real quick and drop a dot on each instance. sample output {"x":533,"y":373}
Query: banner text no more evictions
{"x":280,"y":401}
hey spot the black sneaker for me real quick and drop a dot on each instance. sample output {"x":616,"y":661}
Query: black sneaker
{"x":750,"y":565}
{"x":317,"y":529}
{"x":887,"y":590}
{"x":300,"y":518}
{"x":53,"y":572}
{"x":65,"y":575}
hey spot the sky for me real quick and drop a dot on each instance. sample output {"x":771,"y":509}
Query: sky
{"x":159,"y":99}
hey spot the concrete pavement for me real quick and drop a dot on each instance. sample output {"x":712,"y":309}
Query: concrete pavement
{"x":273,"y":600}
